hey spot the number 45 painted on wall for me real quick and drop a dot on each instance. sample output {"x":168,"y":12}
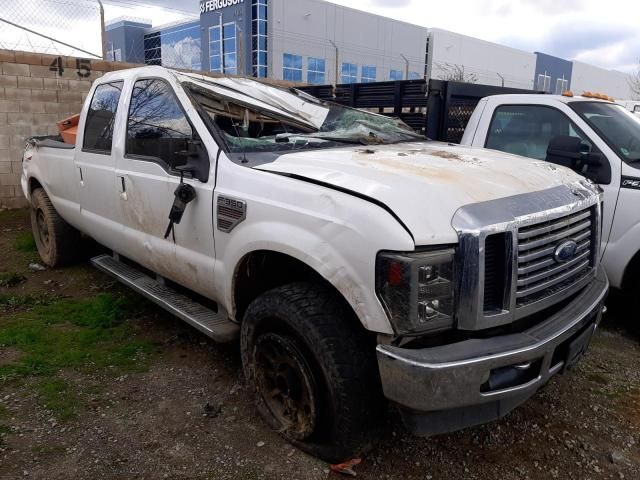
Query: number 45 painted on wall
{"x":83,"y":67}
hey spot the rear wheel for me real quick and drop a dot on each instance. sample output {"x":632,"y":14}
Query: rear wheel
{"x":56,"y":240}
{"x":313,"y":370}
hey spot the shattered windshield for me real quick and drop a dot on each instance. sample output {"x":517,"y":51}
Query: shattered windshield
{"x":253,"y":117}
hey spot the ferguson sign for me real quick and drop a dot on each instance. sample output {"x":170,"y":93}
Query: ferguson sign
{"x":213,"y":5}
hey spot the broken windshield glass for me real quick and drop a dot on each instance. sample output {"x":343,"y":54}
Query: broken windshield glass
{"x":254,"y":117}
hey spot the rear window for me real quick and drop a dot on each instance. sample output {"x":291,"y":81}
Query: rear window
{"x":98,"y":130}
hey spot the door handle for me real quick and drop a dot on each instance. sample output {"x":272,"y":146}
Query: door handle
{"x":81,"y":177}
{"x":122,"y":186}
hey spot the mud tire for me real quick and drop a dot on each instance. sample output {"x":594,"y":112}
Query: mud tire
{"x":57,"y":241}
{"x":334,"y":356}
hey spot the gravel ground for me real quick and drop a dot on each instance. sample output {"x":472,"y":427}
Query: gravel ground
{"x":188,"y":414}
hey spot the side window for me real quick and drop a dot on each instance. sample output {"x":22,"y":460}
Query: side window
{"x":527,"y":130}
{"x":157,"y":127}
{"x":98,"y":128}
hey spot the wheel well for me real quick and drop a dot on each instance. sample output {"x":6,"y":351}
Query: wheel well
{"x":264,"y":270}
{"x":33,"y":184}
{"x":632,"y":272}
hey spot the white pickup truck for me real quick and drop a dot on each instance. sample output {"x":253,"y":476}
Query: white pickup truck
{"x":598,"y":139}
{"x":354,"y":260}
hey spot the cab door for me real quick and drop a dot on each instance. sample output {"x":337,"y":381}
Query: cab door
{"x":528,"y":129}
{"x":95,"y":164}
{"x":159,"y":140}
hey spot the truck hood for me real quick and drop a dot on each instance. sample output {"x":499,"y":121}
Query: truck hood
{"x":423,"y":183}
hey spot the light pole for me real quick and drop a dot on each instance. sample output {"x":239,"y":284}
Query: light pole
{"x":337,"y":51}
{"x":103,"y":35}
{"x":406,"y":67}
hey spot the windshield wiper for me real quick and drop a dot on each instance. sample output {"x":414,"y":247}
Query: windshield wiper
{"x":285,"y":138}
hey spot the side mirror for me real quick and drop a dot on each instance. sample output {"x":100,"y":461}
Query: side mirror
{"x":191,"y":160}
{"x":566,"y":151}
{"x":573,"y":153}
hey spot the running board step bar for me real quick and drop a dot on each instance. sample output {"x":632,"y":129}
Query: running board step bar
{"x":211,"y":323}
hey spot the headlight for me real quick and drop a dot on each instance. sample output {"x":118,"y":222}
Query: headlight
{"x":417,"y":290}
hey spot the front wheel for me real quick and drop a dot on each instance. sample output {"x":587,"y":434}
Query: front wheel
{"x":56,"y":240}
{"x":313,"y":370}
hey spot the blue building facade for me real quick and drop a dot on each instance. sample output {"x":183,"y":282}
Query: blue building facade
{"x":234,"y":36}
{"x":229,"y":37}
{"x":553,"y":74}
{"x":177,"y":46}
{"x":125,"y":41}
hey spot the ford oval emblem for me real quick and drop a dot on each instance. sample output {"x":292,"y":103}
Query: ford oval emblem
{"x":565,"y":251}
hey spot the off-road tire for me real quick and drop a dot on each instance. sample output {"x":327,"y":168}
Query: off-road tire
{"x":57,"y":241}
{"x":320,"y":331}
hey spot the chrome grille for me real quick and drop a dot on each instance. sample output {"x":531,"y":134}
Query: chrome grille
{"x":539,"y":275}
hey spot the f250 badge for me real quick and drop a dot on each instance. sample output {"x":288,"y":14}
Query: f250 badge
{"x":630,"y":182}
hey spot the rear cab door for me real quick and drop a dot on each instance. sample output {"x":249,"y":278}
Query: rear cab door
{"x":95,"y":161}
{"x":161,"y":131}
{"x":525,"y":125}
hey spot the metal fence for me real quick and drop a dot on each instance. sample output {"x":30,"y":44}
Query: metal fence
{"x":58,"y":27}
{"x":439,"y":109}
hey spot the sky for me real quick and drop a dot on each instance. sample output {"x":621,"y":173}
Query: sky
{"x":605,"y":34}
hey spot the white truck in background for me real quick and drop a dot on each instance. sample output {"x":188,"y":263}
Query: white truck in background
{"x":632,"y":105}
{"x":353,"y":259}
{"x":596,"y":138}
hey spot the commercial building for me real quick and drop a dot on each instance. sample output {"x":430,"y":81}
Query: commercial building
{"x":125,"y":40}
{"x":310,"y":41}
{"x":453,"y":56}
{"x":553,"y":74}
{"x":587,"y":77}
{"x":318,"y":42}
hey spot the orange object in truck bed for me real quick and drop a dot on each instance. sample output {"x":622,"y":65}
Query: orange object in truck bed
{"x":68,"y":128}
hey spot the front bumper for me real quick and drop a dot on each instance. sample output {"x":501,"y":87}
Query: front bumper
{"x":446,"y":388}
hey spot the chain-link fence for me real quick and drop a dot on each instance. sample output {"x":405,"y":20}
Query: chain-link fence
{"x":59,"y":27}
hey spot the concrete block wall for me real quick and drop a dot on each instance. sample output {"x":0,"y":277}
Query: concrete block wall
{"x":33,"y":97}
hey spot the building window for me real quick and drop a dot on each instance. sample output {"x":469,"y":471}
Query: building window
{"x":396,"y":75}
{"x":316,"y":71}
{"x":349,"y":73}
{"x":292,"y":67}
{"x":414,"y":76}
{"x":426,"y":58}
{"x":368,"y":74}
{"x":176,"y":47}
{"x":562,"y":86}
{"x":259,"y":37}
{"x":215,"y":49}
{"x":544,"y":83}
{"x":229,"y":52}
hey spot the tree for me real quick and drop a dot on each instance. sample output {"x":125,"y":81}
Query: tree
{"x":455,"y":73}
{"x":634,"y":83}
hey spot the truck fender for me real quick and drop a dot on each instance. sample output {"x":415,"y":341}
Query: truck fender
{"x":312,"y":250}
{"x":621,"y":257}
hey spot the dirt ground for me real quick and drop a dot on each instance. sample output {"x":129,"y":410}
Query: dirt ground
{"x":145,"y":396}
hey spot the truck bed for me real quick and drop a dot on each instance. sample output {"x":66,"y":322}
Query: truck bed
{"x":50,"y":141}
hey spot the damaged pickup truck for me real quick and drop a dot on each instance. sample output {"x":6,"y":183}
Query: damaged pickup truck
{"x":361,"y":266}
